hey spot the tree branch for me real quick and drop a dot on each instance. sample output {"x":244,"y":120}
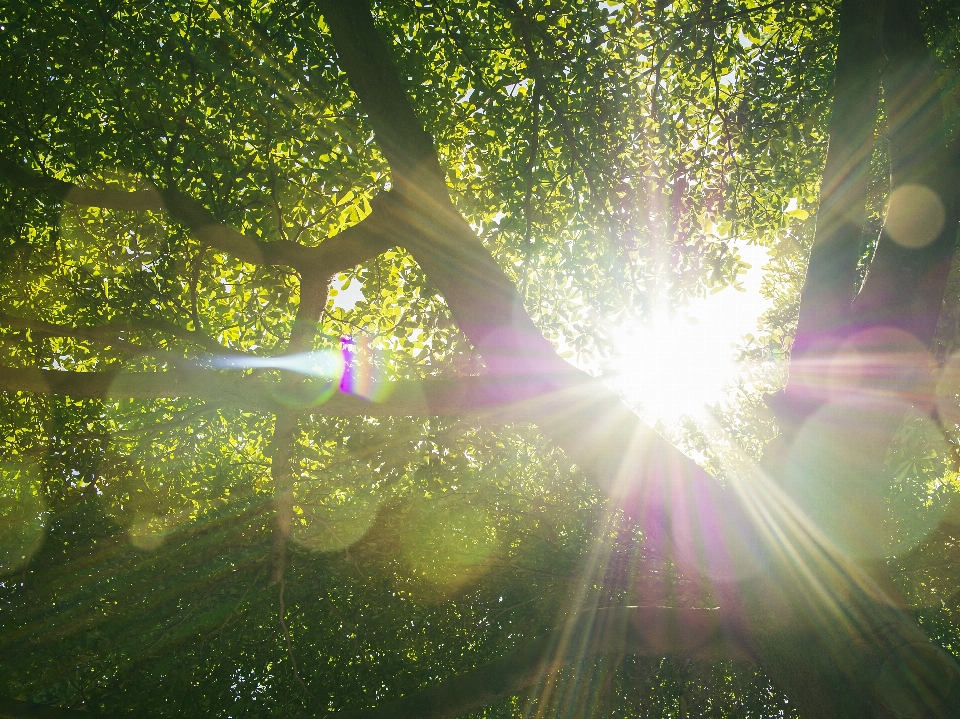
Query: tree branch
{"x":245,"y":393}
{"x":115,"y":331}
{"x":366,"y":59}
{"x":336,"y":254}
{"x":644,"y":631}
{"x":61,"y":191}
{"x":906,"y":280}
{"x":885,"y":666}
{"x":482,"y":396}
{"x":284,"y":463}
{"x":634,"y":465}
{"x":207,"y":228}
{"x":830,"y":284}
{"x":358,"y":243}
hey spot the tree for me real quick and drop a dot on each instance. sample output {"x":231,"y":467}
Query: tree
{"x":184,"y":181}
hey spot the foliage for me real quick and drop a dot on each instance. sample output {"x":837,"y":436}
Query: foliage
{"x":610,"y":155}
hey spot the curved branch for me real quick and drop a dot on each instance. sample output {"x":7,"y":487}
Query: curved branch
{"x":631,"y":463}
{"x":370,"y":69}
{"x":284,"y":464}
{"x":905,"y":282}
{"x":226,"y":391}
{"x":887,"y":662}
{"x":370,"y":237}
{"x":335,"y":254}
{"x":405,"y":398}
{"x":830,"y":284}
{"x":62,"y":191}
{"x":220,"y":236}
{"x":645,"y":631}
{"x":115,"y":331}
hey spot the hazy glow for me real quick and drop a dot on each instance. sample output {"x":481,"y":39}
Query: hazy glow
{"x":351,"y":369}
{"x":675,"y":364}
{"x":327,"y":363}
{"x":915,"y":216}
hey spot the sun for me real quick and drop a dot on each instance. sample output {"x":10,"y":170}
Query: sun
{"x":678,"y":362}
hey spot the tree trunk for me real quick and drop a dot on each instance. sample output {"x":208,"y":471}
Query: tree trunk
{"x":832,"y":629}
{"x":796,"y":552}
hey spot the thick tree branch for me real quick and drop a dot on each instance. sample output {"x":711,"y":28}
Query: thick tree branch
{"x":830,"y":284}
{"x":872,"y":660}
{"x":115,"y":331}
{"x":221,"y":389}
{"x":906,"y":280}
{"x":19,"y":175}
{"x":482,"y":299}
{"x":470,"y":396}
{"x":341,"y":252}
{"x":208,"y":229}
{"x":284,"y":469}
{"x":646,"y":475}
{"x":370,"y":237}
{"x":366,"y":60}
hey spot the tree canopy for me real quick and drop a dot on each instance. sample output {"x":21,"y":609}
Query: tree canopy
{"x":309,"y":376}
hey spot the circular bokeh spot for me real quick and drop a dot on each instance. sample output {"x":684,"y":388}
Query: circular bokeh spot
{"x":882,"y":364}
{"x":330,"y":521}
{"x":915,"y":216}
{"x":140,"y":498}
{"x":832,"y":473}
{"x":450,"y":545}
{"x":147,"y":532}
{"x":914,"y":678}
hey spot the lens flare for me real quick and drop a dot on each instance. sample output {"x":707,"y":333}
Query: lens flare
{"x":326,"y":363}
{"x":677,"y":362}
{"x":147,"y":532}
{"x":915,"y":216}
{"x":361,"y":376}
{"x":23,"y":515}
{"x":328,"y":520}
{"x":354,"y":368}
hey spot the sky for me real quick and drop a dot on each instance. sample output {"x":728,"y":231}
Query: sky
{"x":675,"y":364}
{"x":678,"y":363}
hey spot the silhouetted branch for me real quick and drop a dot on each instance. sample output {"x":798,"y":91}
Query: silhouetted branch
{"x":502,"y":399}
{"x":644,"y":631}
{"x":627,"y":459}
{"x":830,"y":285}
{"x":360,"y":242}
{"x":115,"y":331}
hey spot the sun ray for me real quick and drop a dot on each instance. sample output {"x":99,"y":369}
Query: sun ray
{"x":678,"y":361}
